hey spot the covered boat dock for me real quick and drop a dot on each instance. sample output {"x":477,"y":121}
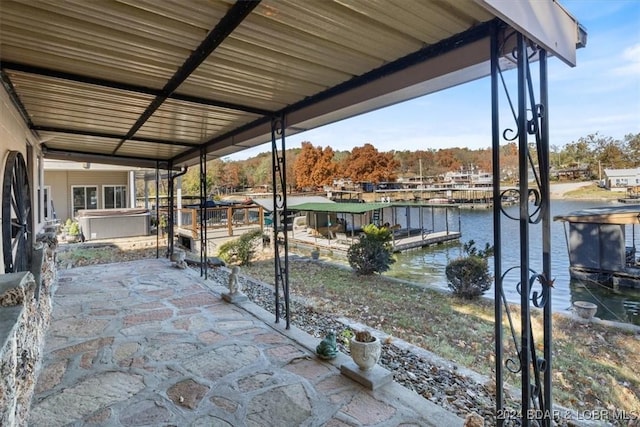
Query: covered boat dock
{"x":602,"y":245}
{"x":338,"y":225}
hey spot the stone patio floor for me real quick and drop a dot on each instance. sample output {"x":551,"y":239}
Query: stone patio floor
{"x":146,"y":344}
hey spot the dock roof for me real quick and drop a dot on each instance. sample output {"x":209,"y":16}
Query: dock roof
{"x":629,"y":214}
{"x":354,"y":208}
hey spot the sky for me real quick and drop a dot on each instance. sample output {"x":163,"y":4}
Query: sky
{"x":600,"y":95}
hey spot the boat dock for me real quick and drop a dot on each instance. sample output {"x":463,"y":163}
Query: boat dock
{"x":341,"y":243}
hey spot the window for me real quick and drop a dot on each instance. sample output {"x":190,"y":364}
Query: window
{"x":84,"y":198}
{"x":49,"y":211}
{"x":115,"y":196}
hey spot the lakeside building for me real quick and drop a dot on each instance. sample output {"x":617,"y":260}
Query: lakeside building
{"x":602,"y":245}
{"x":621,"y":179}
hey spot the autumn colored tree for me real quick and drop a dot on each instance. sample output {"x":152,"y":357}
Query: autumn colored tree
{"x":366,"y":163}
{"x":446,"y":160}
{"x":484,"y":160}
{"x":234,"y":177}
{"x":314,"y":166}
{"x":633,"y":148}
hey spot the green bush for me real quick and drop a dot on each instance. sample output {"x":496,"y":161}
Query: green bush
{"x":468,"y":276}
{"x":242,"y":249}
{"x":74,"y":229}
{"x":373,"y":253}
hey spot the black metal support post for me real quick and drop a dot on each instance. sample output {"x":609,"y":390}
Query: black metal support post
{"x":170,"y":213}
{"x":523,"y":220}
{"x":495,"y":143}
{"x":157,"y":209}
{"x":545,"y":166}
{"x":280,"y":218}
{"x":203,"y":214}
{"x":531,"y":120}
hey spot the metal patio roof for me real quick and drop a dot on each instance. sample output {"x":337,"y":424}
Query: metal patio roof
{"x":146,"y":82}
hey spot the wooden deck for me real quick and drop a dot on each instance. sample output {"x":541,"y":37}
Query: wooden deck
{"x":301,"y":237}
{"x":426,"y":239}
{"x":399,"y":243}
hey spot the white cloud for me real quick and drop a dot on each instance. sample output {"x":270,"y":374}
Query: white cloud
{"x":631,"y":62}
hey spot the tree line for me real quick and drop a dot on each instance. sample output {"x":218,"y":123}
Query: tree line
{"x":310,"y":167}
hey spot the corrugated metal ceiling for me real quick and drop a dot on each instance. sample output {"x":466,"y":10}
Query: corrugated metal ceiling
{"x":146,"y":81}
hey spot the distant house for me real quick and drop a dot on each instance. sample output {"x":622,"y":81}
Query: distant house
{"x":620,"y":179}
{"x":70,"y":186}
{"x":572,"y":172}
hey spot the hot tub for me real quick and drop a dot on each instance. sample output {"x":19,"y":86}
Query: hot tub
{"x":113,"y":223}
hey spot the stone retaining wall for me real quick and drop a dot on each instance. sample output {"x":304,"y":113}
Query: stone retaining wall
{"x":25,"y":312}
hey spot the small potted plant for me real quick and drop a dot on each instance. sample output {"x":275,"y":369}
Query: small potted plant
{"x":365,"y":350}
{"x":315,"y":253}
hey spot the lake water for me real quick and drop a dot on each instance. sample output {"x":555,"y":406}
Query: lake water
{"x":427,"y":265}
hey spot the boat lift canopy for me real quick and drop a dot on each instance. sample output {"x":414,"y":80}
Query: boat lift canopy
{"x":604,"y":215}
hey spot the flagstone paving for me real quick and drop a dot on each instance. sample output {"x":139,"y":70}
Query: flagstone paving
{"x":145,"y":344}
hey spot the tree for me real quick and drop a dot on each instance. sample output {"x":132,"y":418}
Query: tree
{"x":366,"y":163}
{"x":233,"y":175}
{"x":579,"y":152}
{"x":314,"y":166}
{"x":259,"y":170}
{"x":446,"y":160}
{"x":607,"y":151}
{"x":633,"y":148}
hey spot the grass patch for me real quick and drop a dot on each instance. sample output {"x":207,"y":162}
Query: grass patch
{"x":593,"y":192}
{"x":592,"y":365}
{"x":82,"y":254}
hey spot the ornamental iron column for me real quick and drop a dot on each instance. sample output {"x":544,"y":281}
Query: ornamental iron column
{"x":525,"y":365}
{"x":280,"y":219}
{"x":158,"y":227}
{"x":170,"y":213}
{"x":203,"y":214}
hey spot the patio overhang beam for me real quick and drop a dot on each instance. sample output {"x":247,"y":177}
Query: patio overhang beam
{"x":111,"y":84}
{"x":109,"y":159}
{"x":59,"y":130}
{"x":234,"y":17}
{"x":6,"y":82}
{"x":371,"y":90}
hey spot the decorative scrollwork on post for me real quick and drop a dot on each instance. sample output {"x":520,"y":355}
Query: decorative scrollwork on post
{"x":280,"y":219}
{"x":534,"y":288}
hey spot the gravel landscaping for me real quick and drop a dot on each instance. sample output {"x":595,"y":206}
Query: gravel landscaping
{"x":412,"y":367}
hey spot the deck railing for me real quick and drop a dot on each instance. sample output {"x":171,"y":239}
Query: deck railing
{"x":219,"y":217}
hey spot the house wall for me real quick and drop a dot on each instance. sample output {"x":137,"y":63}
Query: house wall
{"x":617,"y":180}
{"x":15,"y":135}
{"x":61,"y":182}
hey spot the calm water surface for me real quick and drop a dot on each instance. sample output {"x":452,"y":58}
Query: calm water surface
{"x":426,"y":266}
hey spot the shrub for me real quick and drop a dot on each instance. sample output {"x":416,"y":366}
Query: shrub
{"x":242,"y":249}
{"x":468,"y":276}
{"x":74,"y":229}
{"x":373,"y":253}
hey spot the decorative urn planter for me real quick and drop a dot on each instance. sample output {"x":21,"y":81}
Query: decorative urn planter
{"x":71,"y":238}
{"x":585,"y":309}
{"x":315,"y":254}
{"x":365,"y":350}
